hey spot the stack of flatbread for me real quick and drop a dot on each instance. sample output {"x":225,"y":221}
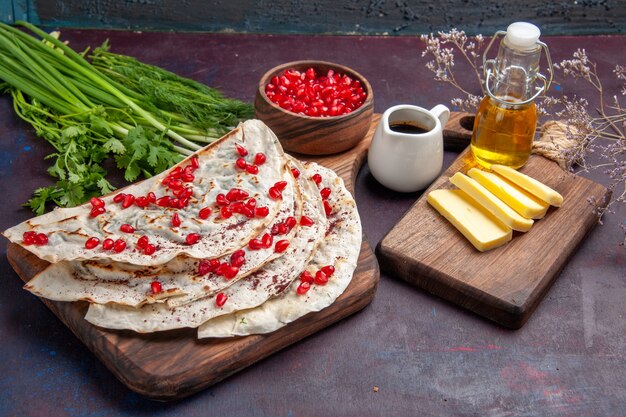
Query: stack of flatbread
{"x":237,"y":239}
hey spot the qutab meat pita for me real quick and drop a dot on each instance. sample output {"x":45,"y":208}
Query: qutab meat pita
{"x":272,"y":239}
{"x":168,"y":208}
{"x":182,"y":279}
{"x":249,"y":292}
{"x":340,"y":249}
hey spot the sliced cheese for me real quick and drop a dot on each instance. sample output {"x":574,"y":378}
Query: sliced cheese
{"x":475,"y":223}
{"x":493,"y":204}
{"x":533,"y":186}
{"x":519,"y":200}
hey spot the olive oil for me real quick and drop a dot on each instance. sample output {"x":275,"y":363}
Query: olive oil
{"x":506,"y":119}
{"x":503,"y":134}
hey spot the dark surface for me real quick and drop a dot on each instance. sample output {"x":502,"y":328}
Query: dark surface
{"x":426,"y":357}
{"x":394,"y":17}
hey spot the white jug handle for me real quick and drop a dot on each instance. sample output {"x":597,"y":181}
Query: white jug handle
{"x":442,"y":113}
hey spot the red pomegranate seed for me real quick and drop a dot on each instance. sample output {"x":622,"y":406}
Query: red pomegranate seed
{"x":195,"y":163}
{"x":96,"y":211}
{"x":175,"y":220}
{"x":280,"y":185}
{"x":28,"y":238}
{"x":149,"y":249}
{"x":231,"y":272}
{"x":151,"y":197}
{"x":141,"y":201}
{"x":295,"y":172}
{"x":188,"y":177}
{"x":204,"y":213}
{"x":176,"y":173}
{"x":241,"y":150}
{"x":129,"y":199}
{"x":175,"y":184}
{"x":306,"y":277}
{"x":127,"y":228}
{"x":237,"y":262}
{"x":241,"y":163}
{"x":174,"y":202}
{"x":236,"y":194}
{"x":247,"y":212}
{"x":261,"y":212}
{"x":226,"y":212}
{"x":320,"y":278}
{"x":92,"y":242}
{"x":108,"y":244}
{"x":221,"y":200}
{"x":163,"y":201}
{"x":204,"y":267}
{"x":290,"y":222}
{"x":282,"y":229}
{"x":183,"y":202}
{"x":187,"y":192}
{"x":222,"y":268}
{"x":327,"y":208}
{"x":251,"y":203}
{"x":281,"y":246}
{"x":178,"y":192}
{"x":260,"y":158}
{"x":306,"y":221}
{"x":317,"y":178}
{"x":255,"y":244}
{"x":274,"y":193}
{"x":267,"y":240}
{"x":96,"y":202}
{"x":303,"y":288}
{"x":156,"y":287}
{"x":41,"y":239}
{"x":236,"y":207}
{"x":119,"y":198}
{"x":142,"y":242}
{"x":119,"y":245}
{"x":238,"y":254}
{"x":192,"y":238}
{"x":220,"y":299}
{"x":329,"y":270}
{"x":325,"y":192}
{"x":252,"y":169}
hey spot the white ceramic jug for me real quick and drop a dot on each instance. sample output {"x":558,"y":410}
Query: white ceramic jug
{"x":408,"y":162}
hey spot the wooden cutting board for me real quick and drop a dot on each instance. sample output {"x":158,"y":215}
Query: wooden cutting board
{"x":174,"y":364}
{"x":505,"y":284}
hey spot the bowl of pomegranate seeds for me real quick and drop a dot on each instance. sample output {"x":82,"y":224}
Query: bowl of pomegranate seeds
{"x":315,"y":107}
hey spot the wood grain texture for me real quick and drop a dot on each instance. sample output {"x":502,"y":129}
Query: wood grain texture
{"x":331,"y":16}
{"x":174,"y":364}
{"x":505,"y":284}
{"x":315,"y":135}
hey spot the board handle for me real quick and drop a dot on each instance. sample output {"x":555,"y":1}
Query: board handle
{"x":457,"y":133}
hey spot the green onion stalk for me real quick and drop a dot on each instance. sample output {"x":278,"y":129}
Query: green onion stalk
{"x":147,"y":118}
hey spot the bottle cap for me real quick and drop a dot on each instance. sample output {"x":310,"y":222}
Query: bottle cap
{"x":522,"y":35}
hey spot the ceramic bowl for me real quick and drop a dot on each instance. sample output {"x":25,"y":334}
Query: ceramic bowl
{"x":315,"y":135}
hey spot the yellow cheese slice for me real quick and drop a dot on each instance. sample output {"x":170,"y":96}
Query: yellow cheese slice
{"x":493,"y":204}
{"x":519,"y":200}
{"x":533,"y":186}
{"x":475,"y":223}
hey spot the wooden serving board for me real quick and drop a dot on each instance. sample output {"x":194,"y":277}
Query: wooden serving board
{"x":507,"y":283}
{"x":174,"y":364}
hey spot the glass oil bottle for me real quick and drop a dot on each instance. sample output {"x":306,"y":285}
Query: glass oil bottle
{"x":506,"y":119}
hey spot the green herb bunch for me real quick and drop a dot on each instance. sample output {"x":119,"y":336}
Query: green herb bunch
{"x":146,"y":118}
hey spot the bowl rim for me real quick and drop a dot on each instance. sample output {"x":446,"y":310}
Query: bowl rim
{"x":340,"y":67}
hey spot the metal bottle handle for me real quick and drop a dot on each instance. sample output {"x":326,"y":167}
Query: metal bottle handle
{"x":489,"y":63}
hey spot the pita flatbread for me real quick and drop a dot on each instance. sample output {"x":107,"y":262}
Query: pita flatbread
{"x":69,"y":229}
{"x":249,"y":292}
{"x":340,"y":248}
